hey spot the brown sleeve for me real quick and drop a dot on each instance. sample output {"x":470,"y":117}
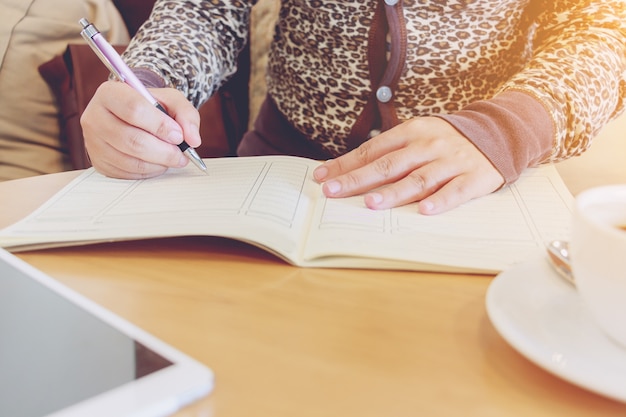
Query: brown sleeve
{"x":513,"y":130}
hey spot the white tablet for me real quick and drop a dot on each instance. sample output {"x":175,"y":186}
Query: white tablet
{"x":62,"y":355}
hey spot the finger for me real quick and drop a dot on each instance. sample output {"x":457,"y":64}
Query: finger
{"x":418,"y":184}
{"x":458,"y":191}
{"x":183,"y":112}
{"x":132,"y":108}
{"x":127,"y":167}
{"x":145,"y":150}
{"x":387,"y":168}
{"x":115,"y":147}
{"x":366,"y":153}
{"x":117,"y":163}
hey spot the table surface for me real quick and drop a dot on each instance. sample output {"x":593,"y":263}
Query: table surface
{"x":287,"y":341}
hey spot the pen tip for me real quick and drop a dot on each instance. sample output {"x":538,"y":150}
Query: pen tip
{"x":196,"y":159}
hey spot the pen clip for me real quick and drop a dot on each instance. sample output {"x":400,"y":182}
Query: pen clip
{"x":88,"y":32}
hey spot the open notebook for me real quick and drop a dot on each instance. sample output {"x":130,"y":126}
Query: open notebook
{"x":274,"y":203}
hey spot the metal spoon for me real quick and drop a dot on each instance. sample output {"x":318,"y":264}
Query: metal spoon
{"x":558,"y":252}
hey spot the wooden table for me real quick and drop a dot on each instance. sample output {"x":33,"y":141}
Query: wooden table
{"x":285,"y":341}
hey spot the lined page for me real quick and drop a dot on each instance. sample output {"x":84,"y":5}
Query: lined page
{"x":489,"y":233}
{"x":264,"y":199}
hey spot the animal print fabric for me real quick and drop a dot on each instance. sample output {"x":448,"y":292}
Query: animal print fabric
{"x":568,"y":54}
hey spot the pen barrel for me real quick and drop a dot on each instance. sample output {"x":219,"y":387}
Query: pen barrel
{"x":122,"y":70}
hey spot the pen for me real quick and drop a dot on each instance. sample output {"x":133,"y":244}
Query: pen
{"x":118,"y":67}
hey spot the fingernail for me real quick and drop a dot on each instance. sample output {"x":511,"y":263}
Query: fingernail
{"x":426,"y":206}
{"x":333,"y":187}
{"x":320,"y":173}
{"x":375,"y":198}
{"x":182,"y":161}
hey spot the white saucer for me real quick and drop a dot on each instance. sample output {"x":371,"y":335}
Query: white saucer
{"x":543,"y":318}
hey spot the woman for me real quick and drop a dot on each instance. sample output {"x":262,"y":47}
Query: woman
{"x":432,"y":101}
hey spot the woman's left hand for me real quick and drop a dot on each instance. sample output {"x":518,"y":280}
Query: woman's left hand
{"x":424,"y":159}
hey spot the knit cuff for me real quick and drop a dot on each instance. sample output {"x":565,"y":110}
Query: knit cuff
{"x":513,"y":130}
{"x":149,"y":78}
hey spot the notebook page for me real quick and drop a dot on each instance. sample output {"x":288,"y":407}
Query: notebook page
{"x":489,"y":233}
{"x":258,"y":199}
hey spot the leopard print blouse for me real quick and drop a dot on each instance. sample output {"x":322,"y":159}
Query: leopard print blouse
{"x":570,"y":55}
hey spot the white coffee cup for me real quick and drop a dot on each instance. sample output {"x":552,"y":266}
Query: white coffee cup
{"x":598,"y":256}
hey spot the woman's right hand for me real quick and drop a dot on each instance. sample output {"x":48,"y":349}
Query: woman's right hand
{"x":127,"y":137}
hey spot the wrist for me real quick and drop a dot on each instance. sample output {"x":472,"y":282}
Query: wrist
{"x":513,"y":130}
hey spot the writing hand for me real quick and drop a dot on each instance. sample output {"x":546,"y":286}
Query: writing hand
{"x":424,"y":159}
{"x":128,"y":137}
